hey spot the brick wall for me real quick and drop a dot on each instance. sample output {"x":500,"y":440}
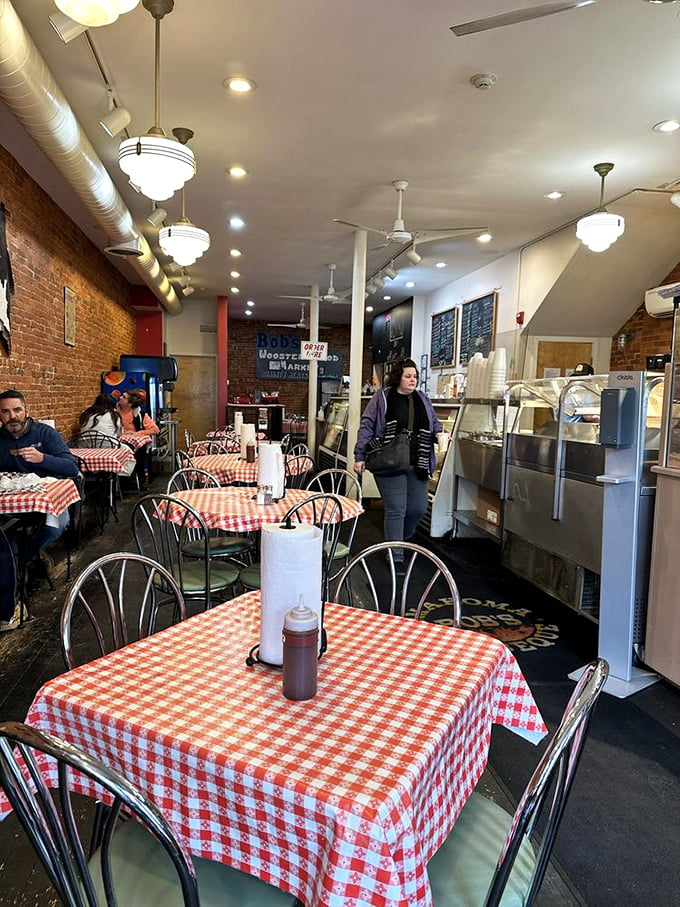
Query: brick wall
{"x":293,"y":394}
{"x":49,"y":252}
{"x":646,"y":336}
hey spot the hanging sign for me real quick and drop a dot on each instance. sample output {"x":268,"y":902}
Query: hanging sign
{"x":314,"y":349}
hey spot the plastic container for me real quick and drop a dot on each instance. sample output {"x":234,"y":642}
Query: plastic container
{"x":250,"y":453}
{"x":300,"y":653}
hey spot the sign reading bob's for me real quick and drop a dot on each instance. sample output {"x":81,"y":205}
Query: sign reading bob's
{"x":279,"y":357}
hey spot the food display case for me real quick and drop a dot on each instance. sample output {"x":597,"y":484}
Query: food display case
{"x":439,"y":517}
{"x":332,"y":447}
{"x":479,"y":453}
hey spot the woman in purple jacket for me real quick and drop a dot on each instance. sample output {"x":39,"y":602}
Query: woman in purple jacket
{"x":397,"y":407}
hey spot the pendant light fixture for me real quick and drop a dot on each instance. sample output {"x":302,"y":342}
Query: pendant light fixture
{"x":183,"y":242}
{"x":94,"y":13}
{"x":599,"y":230}
{"x":158,"y":165}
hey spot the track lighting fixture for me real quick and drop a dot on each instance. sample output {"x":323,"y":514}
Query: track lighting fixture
{"x":115,"y":121}
{"x":390,"y":271}
{"x":414,"y":257}
{"x":378,"y":282}
{"x":187,"y":291}
{"x":155,"y":163}
{"x":157,"y":216}
{"x":599,"y":230}
{"x":65,"y":27}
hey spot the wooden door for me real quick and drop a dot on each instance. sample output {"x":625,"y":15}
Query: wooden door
{"x":195,"y":396}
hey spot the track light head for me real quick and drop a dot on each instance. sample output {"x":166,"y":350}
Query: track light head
{"x":65,"y":27}
{"x":115,"y":121}
{"x":390,"y":272}
{"x":414,"y":257}
{"x":157,"y":216}
{"x":187,"y":291}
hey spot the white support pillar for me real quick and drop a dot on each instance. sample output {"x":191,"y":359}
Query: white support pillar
{"x":356,"y":341}
{"x":313,"y":370}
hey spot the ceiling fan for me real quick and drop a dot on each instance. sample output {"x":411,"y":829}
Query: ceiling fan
{"x":301,"y":325}
{"x":399,"y":233}
{"x":331,"y":295}
{"x":524,"y":15}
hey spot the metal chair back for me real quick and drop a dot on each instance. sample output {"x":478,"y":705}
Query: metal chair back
{"x":52,"y":823}
{"x":182,"y":459}
{"x":378,"y":580}
{"x":298,"y":470}
{"x":188,"y":438}
{"x":189,"y":478}
{"x":97,"y":439}
{"x":345,"y":483}
{"x":116,"y":600}
{"x":324,"y":511}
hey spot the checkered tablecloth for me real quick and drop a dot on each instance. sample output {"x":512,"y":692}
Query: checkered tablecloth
{"x":228,"y":468}
{"x":106,"y":459}
{"x":135,"y":439}
{"x":234,"y":509}
{"x":340,"y":800}
{"x":58,"y":494}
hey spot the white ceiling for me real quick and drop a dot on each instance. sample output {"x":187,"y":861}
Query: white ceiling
{"x":352,"y":95}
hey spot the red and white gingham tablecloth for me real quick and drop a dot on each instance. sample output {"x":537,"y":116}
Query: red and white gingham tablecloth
{"x":340,"y":800}
{"x":228,"y":468}
{"x":234,"y":509}
{"x":106,"y":459}
{"x":135,"y":439}
{"x":57,"y":496}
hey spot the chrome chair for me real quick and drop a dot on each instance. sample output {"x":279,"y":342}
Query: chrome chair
{"x":378,"y":580}
{"x":342,"y":482}
{"x":324,"y":511}
{"x":113,"y":595}
{"x":102,"y":487}
{"x":188,"y":438}
{"x":200,"y":577}
{"x":97,"y":439}
{"x":298,"y":470}
{"x":222,"y":544}
{"x":467,"y":871}
{"x":298,"y":450}
{"x":137,"y":862}
{"x":182,"y":459}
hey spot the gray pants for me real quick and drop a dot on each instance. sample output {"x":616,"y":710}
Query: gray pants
{"x":405,"y":501}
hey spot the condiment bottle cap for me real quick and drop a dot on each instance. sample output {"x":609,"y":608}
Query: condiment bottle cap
{"x":300,"y":618}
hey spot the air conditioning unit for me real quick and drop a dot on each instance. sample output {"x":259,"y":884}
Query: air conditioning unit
{"x":659,"y":301}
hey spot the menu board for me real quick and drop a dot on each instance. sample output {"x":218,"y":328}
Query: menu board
{"x":477,"y":327}
{"x":443,"y":338}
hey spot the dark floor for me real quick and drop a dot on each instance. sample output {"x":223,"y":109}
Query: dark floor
{"x":620,"y":837}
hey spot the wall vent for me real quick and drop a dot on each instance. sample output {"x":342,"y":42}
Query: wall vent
{"x":207,"y":328}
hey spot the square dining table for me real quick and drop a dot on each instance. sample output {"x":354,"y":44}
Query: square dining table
{"x":340,"y":800}
{"x":228,"y":468}
{"x":234,"y":509}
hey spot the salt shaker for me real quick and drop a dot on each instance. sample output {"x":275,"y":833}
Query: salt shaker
{"x":300,"y":651}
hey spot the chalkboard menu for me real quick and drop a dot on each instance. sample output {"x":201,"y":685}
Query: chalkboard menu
{"x":477,"y":327}
{"x":443,"y":338}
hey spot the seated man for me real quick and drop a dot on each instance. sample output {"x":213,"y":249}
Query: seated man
{"x":134,"y":419}
{"x":28,"y":446}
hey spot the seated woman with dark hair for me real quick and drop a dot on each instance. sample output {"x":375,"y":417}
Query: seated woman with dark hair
{"x":102,"y":416}
{"x":135,"y":419}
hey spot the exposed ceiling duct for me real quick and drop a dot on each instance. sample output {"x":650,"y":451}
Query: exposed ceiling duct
{"x":30,"y":91}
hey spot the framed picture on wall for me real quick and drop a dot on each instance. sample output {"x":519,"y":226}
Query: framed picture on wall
{"x":69,"y":317}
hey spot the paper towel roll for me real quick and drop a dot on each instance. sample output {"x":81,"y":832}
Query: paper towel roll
{"x":238,"y":422}
{"x":290,"y":568}
{"x":270,"y":468}
{"x":247,"y":437}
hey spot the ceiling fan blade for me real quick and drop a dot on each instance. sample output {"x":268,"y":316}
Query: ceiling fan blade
{"x":293,"y":297}
{"x":422,"y":236}
{"x":276,"y":324}
{"x":347,"y":223}
{"x":518,"y":15}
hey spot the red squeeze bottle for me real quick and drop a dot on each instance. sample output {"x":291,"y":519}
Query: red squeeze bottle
{"x":250,"y":453}
{"x":300,"y":653}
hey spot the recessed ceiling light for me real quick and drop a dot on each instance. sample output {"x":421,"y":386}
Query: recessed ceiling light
{"x":248,"y":312}
{"x":369,"y":308}
{"x":410,"y":283}
{"x":485,"y":237}
{"x":250,"y":303}
{"x":387,"y":298}
{"x":235,"y":253}
{"x":554,"y":195}
{"x":440,"y":264}
{"x":234,"y":290}
{"x":234,"y":274}
{"x":237,"y":171}
{"x":236,"y":222}
{"x":239,"y":84}
{"x":666,"y":126}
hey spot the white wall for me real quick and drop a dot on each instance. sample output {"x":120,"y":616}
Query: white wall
{"x":182,"y":334}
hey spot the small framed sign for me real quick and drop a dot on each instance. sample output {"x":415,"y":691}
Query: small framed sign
{"x":314,"y":350}
{"x":69,"y":317}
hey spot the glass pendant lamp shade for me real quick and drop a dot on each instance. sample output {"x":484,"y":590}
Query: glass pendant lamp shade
{"x":94,"y":13}
{"x":158,"y":165}
{"x":598,"y":231}
{"x":184,"y":242}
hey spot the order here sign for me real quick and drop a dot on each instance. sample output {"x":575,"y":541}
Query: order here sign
{"x":314,"y":350}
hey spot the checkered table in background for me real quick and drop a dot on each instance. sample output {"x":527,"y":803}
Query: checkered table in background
{"x":340,"y":800}
{"x":58,"y":494}
{"x":228,"y":468}
{"x":106,"y":459}
{"x":135,"y":439}
{"x":235,"y":510}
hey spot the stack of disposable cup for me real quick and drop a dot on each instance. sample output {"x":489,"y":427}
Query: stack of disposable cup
{"x":247,"y":437}
{"x":238,"y":422}
{"x":497,"y":375}
{"x":474,"y":386}
{"x":483,"y":378}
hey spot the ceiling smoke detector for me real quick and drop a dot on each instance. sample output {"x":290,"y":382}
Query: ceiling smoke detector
{"x":483,"y":80}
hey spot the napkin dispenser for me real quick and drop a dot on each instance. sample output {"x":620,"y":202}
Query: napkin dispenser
{"x":271,"y":472}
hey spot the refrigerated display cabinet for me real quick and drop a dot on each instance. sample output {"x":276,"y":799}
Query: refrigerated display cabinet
{"x":438,"y":520}
{"x":332,"y":447}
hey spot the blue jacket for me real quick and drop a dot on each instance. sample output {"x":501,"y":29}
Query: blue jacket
{"x":372,"y":424}
{"x":58,"y":459}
